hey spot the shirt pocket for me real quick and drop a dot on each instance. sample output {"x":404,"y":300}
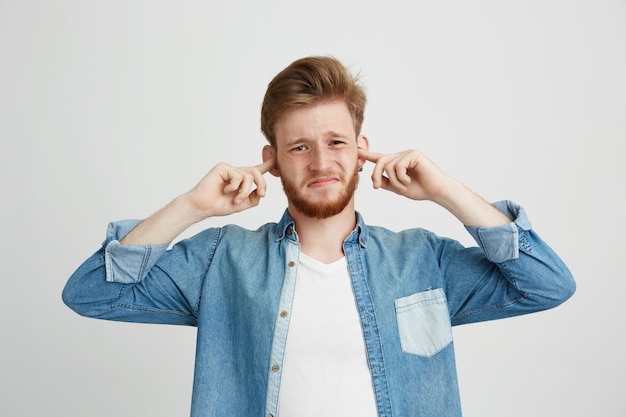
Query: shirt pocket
{"x":423,"y":322}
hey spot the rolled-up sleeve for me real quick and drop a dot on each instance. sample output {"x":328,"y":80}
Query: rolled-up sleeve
{"x":503,"y":243}
{"x":142,"y":283}
{"x":128,"y":264}
{"x":513,"y":272}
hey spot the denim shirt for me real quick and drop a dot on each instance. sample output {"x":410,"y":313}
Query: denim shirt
{"x":237,"y":287}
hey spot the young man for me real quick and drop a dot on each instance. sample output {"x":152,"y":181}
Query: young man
{"x":321,"y":314}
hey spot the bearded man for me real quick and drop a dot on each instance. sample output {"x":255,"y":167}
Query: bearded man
{"x":321,"y":314}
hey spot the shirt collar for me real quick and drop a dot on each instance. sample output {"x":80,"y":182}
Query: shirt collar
{"x":286,"y":228}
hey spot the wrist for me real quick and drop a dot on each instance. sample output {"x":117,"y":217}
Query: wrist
{"x":451,"y":194}
{"x":470,"y":208}
{"x":188,"y":210}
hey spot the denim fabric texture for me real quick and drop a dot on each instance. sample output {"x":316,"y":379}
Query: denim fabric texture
{"x":237,"y":286}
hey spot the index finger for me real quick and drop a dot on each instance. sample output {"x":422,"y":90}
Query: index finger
{"x":267,"y":165}
{"x":369,"y":156}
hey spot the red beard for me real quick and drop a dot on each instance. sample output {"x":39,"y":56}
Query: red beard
{"x":320,"y":210}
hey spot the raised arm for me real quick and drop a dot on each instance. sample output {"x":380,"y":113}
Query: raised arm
{"x":413,"y":175}
{"x":224,"y":190}
{"x":119,"y":282}
{"x":515,"y":273}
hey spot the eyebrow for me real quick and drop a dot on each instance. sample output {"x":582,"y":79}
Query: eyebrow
{"x":333,"y":134}
{"x":330,"y":133}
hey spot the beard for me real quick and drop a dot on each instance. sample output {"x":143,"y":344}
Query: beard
{"x":323,"y":209}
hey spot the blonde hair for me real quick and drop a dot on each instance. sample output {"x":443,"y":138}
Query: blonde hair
{"x":309,"y":81}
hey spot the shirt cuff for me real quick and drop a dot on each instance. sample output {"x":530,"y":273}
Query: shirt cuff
{"x":128,"y":264}
{"x":502,"y":243}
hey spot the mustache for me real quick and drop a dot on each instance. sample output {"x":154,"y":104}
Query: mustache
{"x":328,"y":174}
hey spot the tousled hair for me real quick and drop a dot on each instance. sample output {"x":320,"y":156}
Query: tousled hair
{"x":310,"y":81}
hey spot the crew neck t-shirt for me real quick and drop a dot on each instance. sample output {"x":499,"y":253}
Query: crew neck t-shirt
{"x":325,"y":370}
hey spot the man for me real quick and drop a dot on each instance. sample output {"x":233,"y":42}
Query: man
{"x":321,"y":314}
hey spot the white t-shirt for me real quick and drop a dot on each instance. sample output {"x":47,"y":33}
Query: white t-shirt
{"x":325,"y":370}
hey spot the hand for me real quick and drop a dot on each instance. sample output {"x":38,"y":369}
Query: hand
{"x":227,"y":189}
{"x":412,"y":174}
{"x":409,"y":173}
{"x":224,"y":190}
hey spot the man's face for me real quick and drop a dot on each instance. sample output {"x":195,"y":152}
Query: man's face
{"x":316,"y":157}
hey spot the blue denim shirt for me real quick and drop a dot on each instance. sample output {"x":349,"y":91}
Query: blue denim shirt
{"x":237,"y":287}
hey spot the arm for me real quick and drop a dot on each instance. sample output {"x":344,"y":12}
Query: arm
{"x":224,"y":190}
{"x":413,"y":175}
{"x":514,"y":273}
{"x":120,"y":282}
{"x":142,"y":283}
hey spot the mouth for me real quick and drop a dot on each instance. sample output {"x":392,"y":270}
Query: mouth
{"x":322,"y":182}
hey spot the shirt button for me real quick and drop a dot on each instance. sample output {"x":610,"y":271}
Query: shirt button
{"x":283,"y":314}
{"x":275,"y":368}
{"x":291,"y":263}
{"x":289,"y":232}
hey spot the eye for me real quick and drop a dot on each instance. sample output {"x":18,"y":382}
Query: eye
{"x":337,"y":142}
{"x":298,"y":148}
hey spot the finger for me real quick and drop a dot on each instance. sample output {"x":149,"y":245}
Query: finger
{"x":251,"y":200}
{"x":369,"y":156}
{"x":245,"y":188}
{"x":254,"y":198}
{"x":261,"y":185}
{"x":233,"y":179}
{"x":401,"y":165}
{"x":379,"y":169}
{"x":267,"y":165}
{"x":392,"y":174}
{"x":386,"y":184}
{"x":402,"y":174}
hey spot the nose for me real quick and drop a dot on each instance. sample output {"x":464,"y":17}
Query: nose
{"x":320,"y":159}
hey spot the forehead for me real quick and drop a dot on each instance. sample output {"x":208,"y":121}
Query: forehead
{"x":328,"y":118}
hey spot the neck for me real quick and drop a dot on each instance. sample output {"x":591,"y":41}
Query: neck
{"x":322,"y":239}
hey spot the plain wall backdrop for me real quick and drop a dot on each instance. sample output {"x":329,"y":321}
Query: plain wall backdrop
{"x":109,"y":109}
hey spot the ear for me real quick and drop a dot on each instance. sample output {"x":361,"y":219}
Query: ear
{"x":268,"y":153}
{"x":362,"y":142}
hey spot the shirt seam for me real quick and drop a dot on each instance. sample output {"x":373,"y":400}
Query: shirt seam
{"x":212,"y":250}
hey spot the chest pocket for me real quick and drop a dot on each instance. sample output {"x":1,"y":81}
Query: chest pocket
{"x":423,"y":322}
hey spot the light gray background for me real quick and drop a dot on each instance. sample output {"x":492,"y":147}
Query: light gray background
{"x":108,"y":109}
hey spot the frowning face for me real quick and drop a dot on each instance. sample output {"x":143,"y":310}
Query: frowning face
{"x":317,"y":160}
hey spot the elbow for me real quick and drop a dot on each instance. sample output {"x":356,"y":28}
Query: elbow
{"x":86,"y":293}
{"x":564,"y":283}
{"x":84,"y":305}
{"x":554,"y":287}
{"x":562,"y":289}
{"x":568,"y":287}
{"x":66,"y":296}
{"x":71,"y":297}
